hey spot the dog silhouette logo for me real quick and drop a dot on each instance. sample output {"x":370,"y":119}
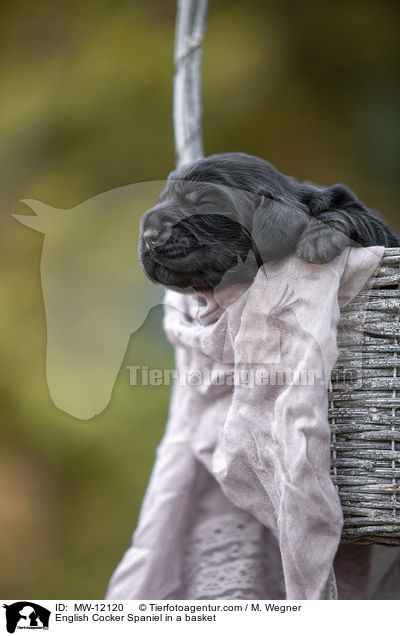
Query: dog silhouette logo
{"x":26,"y":615}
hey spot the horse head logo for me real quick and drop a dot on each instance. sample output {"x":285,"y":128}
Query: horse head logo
{"x":94,"y":292}
{"x":26,"y":615}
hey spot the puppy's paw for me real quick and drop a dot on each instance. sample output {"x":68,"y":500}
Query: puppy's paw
{"x":320,"y":243}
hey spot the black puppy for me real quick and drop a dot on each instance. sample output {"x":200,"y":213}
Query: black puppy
{"x":228,"y":209}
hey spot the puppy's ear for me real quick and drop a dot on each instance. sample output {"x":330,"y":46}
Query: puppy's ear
{"x":338,"y":220}
{"x":277,"y":226}
{"x":319,"y":199}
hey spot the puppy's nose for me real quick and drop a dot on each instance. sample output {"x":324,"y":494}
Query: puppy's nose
{"x":151,"y":238}
{"x":154,"y":237}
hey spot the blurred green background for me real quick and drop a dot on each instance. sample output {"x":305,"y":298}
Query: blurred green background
{"x":85,"y":106}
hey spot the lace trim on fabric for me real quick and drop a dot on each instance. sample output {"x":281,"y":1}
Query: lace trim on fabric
{"x":229,"y":557}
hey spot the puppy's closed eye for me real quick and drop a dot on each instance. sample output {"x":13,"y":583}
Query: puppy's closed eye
{"x":200,"y":198}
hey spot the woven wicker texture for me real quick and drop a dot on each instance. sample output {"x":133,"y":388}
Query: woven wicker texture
{"x":364,"y":409}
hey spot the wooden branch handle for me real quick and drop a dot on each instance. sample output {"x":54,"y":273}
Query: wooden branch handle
{"x":187,"y":109}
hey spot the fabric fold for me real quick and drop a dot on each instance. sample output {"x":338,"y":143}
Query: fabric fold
{"x":256,"y":420}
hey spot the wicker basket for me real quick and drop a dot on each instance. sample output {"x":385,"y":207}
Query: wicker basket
{"x":364,"y":410}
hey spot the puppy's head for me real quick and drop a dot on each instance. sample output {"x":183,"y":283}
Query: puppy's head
{"x":219,"y":219}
